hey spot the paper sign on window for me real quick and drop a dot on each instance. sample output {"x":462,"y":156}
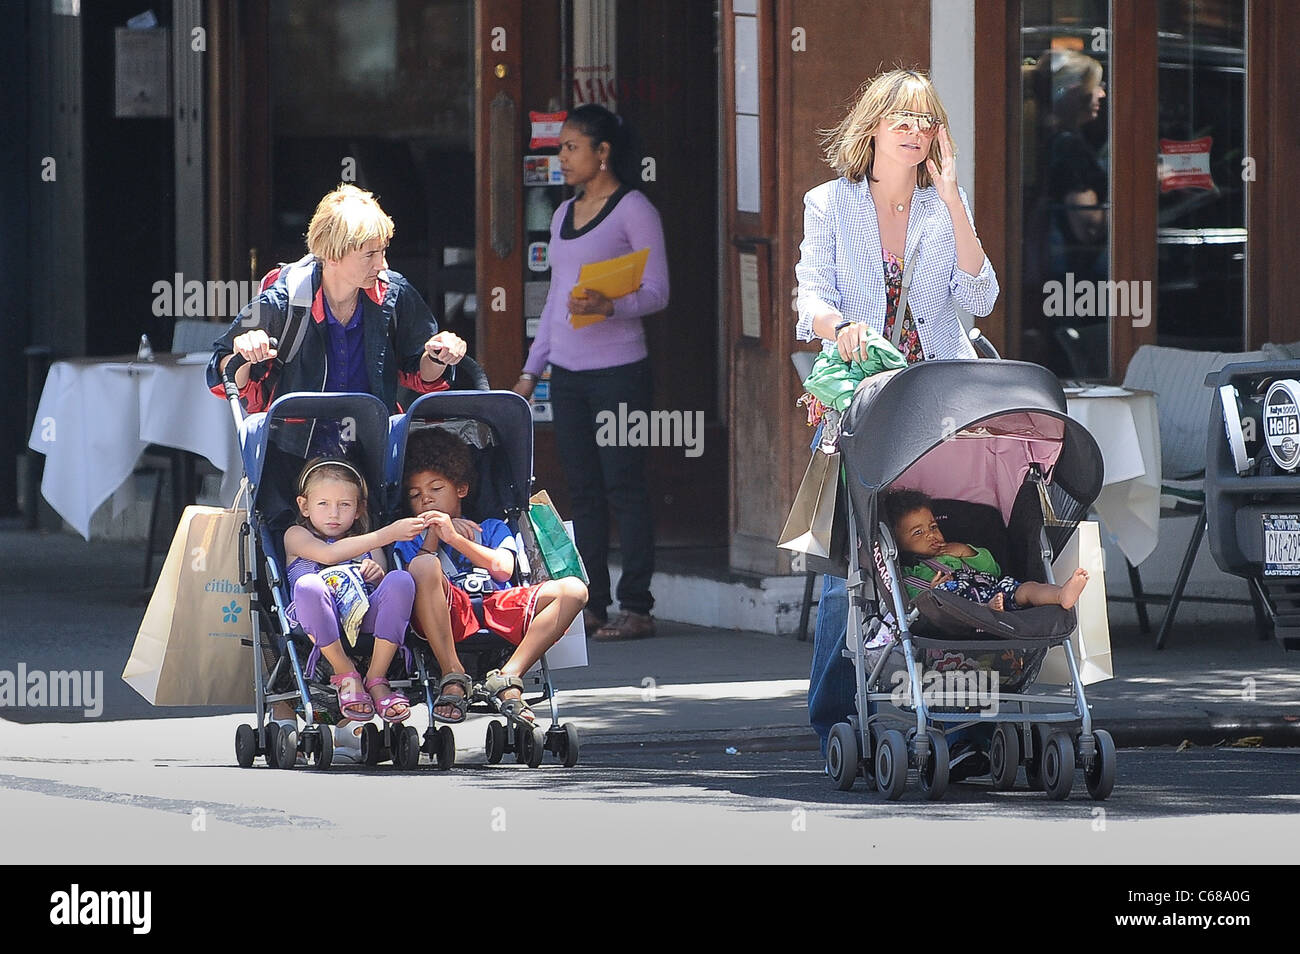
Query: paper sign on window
{"x":1185,"y":164}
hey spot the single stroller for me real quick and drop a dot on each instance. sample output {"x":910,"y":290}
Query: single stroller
{"x":274,"y":445}
{"x":498,"y":426}
{"x":990,"y":441}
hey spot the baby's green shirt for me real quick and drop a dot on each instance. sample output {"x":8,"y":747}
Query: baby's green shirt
{"x":981,"y":562}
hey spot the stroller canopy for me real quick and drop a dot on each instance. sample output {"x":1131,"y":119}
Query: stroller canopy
{"x":969,"y":430}
{"x":508,"y":419}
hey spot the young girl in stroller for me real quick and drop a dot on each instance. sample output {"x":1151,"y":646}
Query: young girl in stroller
{"x":332,"y":530}
{"x":930,"y":562}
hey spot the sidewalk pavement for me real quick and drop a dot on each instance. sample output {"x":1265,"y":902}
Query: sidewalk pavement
{"x":73,"y":605}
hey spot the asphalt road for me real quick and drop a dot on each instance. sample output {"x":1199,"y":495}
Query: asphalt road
{"x":649,"y":804}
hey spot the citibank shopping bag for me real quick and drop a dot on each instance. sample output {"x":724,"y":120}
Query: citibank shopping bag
{"x":1091,"y":641}
{"x":190,"y":649}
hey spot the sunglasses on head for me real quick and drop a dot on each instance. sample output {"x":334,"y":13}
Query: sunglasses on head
{"x":905,"y":121}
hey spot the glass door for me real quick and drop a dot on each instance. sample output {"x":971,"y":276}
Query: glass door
{"x":1065,"y":140}
{"x":1201,"y":175}
{"x":380,"y":93}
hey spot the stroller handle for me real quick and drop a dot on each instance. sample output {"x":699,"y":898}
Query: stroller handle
{"x":228,"y":371}
{"x":983,"y":347}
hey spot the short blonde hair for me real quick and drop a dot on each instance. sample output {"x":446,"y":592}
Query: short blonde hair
{"x":344,"y":221}
{"x":850,"y":147}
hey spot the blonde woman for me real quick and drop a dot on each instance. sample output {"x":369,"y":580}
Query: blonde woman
{"x":370,"y":331}
{"x":895,"y":202}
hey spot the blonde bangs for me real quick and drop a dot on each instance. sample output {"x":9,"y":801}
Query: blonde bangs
{"x":849,"y":147}
{"x":344,"y":221}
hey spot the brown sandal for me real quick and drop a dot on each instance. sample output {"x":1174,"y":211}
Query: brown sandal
{"x":626,"y":626}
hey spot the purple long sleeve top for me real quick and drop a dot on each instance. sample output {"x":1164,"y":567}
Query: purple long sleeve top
{"x":628,"y":223}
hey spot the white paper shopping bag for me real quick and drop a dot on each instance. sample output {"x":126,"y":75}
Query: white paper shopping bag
{"x":1091,"y":640}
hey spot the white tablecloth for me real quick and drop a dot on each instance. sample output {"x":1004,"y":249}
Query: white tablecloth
{"x":1127,"y":429}
{"x":97,"y":416}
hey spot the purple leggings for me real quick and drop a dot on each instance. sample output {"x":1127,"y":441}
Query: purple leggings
{"x":387,"y":618}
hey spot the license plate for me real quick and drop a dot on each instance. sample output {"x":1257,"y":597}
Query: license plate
{"x":1281,"y":544}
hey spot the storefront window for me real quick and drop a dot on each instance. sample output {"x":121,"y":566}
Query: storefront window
{"x":1065,"y":182}
{"x":1202,"y":168}
{"x":380,"y":93}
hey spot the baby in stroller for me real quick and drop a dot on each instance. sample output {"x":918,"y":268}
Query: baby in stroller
{"x":458,"y":561}
{"x":930,"y":562}
{"x":330,"y":602}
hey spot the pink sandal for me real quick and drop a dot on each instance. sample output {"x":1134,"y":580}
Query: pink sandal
{"x":390,"y":701}
{"x":353,"y":705}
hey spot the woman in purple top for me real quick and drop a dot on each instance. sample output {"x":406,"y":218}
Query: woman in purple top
{"x":604,"y":364}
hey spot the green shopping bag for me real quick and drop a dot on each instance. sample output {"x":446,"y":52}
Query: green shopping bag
{"x":559,"y":552}
{"x":834,"y":380}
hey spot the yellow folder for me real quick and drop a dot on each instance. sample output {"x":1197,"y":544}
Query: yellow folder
{"x":613,"y":278}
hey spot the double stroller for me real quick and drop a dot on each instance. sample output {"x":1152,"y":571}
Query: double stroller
{"x":274,"y":444}
{"x":991,"y":443}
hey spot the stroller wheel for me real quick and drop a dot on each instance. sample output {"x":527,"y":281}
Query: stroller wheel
{"x":245,"y":746}
{"x":370,"y":747}
{"x":934,"y":778}
{"x":570,"y":745}
{"x":286,"y":748}
{"x":1100,"y":775}
{"x":1058,"y":766}
{"x":446,"y":751}
{"x":272,"y":752}
{"x":406,"y":745}
{"x":1034,"y":766}
{"x":891,"y":764}
{"x":1004,"y":757}
{"x":494,"y":745}
{"x":536,"y":744}
{"x":323,"y":756}
{"x":842,"y":756}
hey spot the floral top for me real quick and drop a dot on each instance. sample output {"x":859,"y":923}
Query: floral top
{"x":909,"y":342}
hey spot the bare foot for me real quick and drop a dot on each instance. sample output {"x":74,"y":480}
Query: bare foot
{"x":1072,"y":587}
{"x":996,"y":603}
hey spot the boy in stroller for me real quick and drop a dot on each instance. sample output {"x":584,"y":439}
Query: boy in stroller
{"x":457,"y":561}
{"x":930,"y":562}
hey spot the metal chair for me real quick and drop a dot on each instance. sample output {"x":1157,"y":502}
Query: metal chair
{"x":1177,"y":377}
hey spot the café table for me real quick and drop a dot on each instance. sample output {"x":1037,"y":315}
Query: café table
{"x":1126,"y":427}
{"x":97,"y":416}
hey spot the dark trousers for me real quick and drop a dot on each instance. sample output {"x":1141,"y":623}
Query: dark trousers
{"x":605,"y":478}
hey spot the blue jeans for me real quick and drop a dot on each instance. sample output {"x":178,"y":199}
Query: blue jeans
{"x":831,"y":685}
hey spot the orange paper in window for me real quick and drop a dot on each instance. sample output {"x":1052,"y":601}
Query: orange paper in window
{"x":613,"y":278}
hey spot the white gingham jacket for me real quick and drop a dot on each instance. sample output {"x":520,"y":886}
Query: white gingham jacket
{"x":840,"y":265}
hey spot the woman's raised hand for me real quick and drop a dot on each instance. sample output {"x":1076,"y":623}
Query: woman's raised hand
{"x":254,"y":346}
{"x":945,"y":174}
{"x":446,"y":348}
